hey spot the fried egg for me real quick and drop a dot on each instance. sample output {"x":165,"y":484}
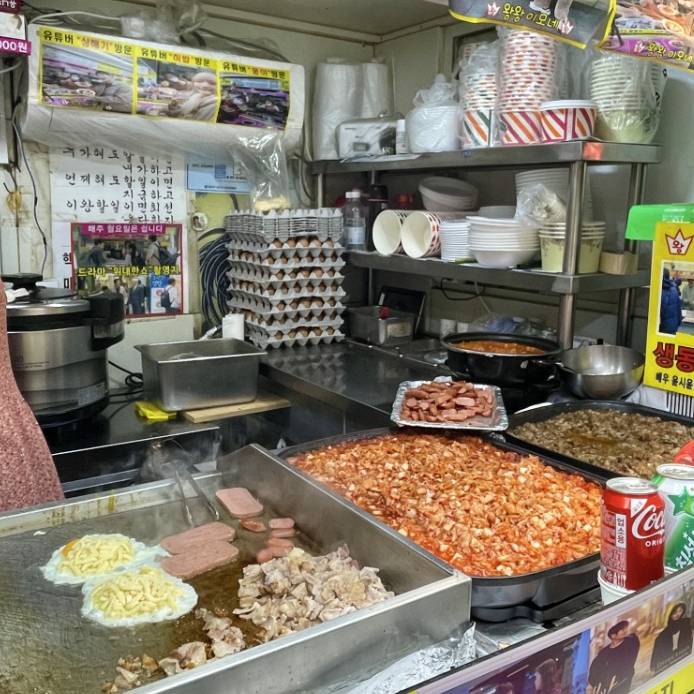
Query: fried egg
{"x":96,"y":555}
{"x":141,"y":595}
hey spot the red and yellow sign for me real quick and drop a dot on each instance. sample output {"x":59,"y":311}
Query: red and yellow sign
{"x":670,"y":344}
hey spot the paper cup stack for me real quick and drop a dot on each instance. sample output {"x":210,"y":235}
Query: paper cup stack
{"x":528,"y":77}
{"x":628,"y":94}
{"x":502,"y":243}
{"x":566,"y":120}
{"x":455,"y":240}
{"x":553,"y":241}
{"x":478,"y":122}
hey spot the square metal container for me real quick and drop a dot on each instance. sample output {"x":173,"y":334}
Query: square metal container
{"x":431,"y":599}
{"x":365,"y":324}
{"x":201,"y":373}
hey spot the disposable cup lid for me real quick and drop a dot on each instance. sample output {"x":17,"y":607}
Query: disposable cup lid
{"x":567,"y":104}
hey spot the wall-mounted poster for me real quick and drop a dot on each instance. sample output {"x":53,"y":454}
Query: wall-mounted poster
{"x":573,"y":21}
{"x":670,"y":344}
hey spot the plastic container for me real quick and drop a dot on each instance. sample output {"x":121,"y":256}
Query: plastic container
{"x":354,"y":222}
{"x":433,"y":129}
{"x":442,"y":194}
{"x":610,"y":592}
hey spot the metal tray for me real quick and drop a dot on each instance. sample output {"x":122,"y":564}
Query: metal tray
{"x":545,"y":412}
{"x":497,"y":422}
{"x":200,"y":373}
{"x":541,"y":588}
{"x":44,"y":640}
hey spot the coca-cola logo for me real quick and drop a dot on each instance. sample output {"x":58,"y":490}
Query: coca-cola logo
{"x":648,"y":522}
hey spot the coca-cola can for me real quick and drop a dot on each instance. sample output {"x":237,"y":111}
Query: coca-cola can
{"x":633,"y":533}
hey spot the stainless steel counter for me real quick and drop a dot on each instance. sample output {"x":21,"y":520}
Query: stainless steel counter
{"x":347,"y":376}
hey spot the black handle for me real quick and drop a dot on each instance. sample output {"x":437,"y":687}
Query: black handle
{"x":23,"y":280}
{"x":107,"y":315}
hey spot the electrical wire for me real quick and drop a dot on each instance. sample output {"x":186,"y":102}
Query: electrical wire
{"x":133,"y":380}
{"x":213,"y":276}
{"x":70,"y":13}
{"x":22,"y":152}
{"x":477,"y":295}
{"x":13,"y":67}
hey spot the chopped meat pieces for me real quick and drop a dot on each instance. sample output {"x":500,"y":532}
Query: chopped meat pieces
{"x":486,"y":511}
{"x":201,"y":560}
{"x":281,"y":523}
{"x":297,"y":591}
{"x":226,"y":639}
{"x":447,"y":402}
{"x":628,"y":443}
{"x":190,"y":655}
{"x":193,"y":538}
{"x":253,"y":526}
{"x":239,"y":502}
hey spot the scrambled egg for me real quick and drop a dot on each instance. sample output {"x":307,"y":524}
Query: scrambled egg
{"x":145,"y":594}
{"x":95,"y":555}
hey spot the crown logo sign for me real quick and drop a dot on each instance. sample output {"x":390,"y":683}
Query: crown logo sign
{"x":493,"y":9}
{"x":678,"y":244}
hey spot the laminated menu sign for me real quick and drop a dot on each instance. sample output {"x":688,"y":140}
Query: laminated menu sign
{"x":141,"y":262}
{"x":662,"y":31}
{"x":103,"y":73}
{"x":573,"y":21}
{"x":670,"y":342}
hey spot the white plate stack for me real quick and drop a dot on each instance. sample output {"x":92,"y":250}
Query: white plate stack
{"x":502,"y":243}
{"x":455,"y":240}
{"x":556,"y":180}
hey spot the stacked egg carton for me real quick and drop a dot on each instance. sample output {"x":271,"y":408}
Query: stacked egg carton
{"x":285,"y":275}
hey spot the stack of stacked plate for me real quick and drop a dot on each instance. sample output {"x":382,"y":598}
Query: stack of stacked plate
{"x":502,"y":243}
{"x":455,"y":240}
{"x":556,"y":180}
{"x":628,"y":94}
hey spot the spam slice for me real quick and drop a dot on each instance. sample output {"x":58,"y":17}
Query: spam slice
{"x":193,"y":539}
{"x":204,"y":559}
{"x":239,"y":502}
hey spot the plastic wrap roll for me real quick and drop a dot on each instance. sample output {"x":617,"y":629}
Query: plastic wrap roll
{"x":377,"y":96}
{"x":79,"y":110}
{"x":337,"y":98}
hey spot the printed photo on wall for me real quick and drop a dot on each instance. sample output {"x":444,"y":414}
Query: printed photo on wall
{"x":73,"y":76}
{"x":677,"y":298}
{"x":141,"y":262}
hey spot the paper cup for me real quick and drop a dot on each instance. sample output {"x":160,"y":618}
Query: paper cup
{"x":519,"y":127}
{"x":421,"y":234}
{"x":610,"y":592}
{"x":567,"y":120}
{"x":387,"y":230}
{"x":478,"y":127}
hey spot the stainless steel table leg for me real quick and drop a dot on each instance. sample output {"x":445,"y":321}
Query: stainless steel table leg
{"x":320,"y":190}
{"x":572,"y":246}
{"x":625,"y":307}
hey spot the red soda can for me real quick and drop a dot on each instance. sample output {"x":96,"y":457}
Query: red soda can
{"x":633,"y":533}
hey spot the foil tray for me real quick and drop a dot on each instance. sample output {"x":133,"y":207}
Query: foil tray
{"x":48,"y":647}
{"x":498,"y":421}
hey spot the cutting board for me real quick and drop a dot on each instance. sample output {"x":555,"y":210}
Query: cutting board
{"x":265,"y":402}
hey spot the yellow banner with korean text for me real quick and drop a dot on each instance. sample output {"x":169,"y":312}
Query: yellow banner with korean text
{"x":670,"y":343}
{"x":682,"y":682}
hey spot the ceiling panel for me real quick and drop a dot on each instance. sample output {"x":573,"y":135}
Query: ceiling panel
{"x":372,"y":16}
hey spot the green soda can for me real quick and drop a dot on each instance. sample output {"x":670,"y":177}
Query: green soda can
{"x":676,"y":485}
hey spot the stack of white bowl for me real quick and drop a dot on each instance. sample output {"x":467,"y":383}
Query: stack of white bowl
{"x":556,"y":180}
{"x":444,"y":194}
{"x":502,"y":243}
{"x":455,"y":240}
{"x":553,"y":242}
{"x":628,"y":94}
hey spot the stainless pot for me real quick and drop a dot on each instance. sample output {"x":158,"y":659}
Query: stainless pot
{"x":58,"y":344}
{"x":601,"y":372}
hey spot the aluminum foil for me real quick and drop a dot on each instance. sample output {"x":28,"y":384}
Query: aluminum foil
{"x":497,"y":422}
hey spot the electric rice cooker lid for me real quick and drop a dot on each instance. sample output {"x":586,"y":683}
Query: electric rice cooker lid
{"x":53,"y":307}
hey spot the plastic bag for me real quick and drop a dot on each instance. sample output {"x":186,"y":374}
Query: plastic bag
{"x":166,"y":23}
{"x":262,"y":156}
{"x":628,"y":94}
{"x":478,"y":94}
{"x":539,"y":205}
{"x":510,"y":325}
{"x":441,"y":93}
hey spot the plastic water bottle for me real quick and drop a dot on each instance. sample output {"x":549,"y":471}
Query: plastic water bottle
{"x":355,"y":222}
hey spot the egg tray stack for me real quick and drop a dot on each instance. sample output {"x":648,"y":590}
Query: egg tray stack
{"x":285,"y":275}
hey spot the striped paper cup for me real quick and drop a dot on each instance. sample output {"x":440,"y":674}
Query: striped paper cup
{"x":567,"y":120}
{"x":521,"y":127}
{"x":478,"y":127}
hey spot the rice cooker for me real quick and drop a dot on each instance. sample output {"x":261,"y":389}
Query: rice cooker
{"x":58,"y":344}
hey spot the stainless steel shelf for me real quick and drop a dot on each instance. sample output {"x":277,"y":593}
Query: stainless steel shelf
{"x":531,"y":280}
{"x":502,"y":157}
